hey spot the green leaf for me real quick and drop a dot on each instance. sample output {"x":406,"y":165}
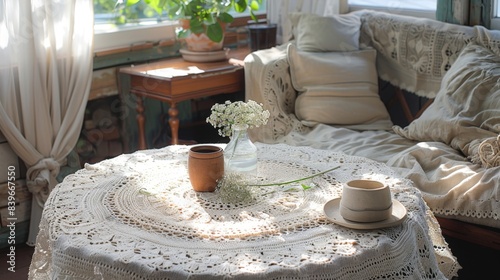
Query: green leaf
{"x":132,"y":2}
{"x":226,"y":17}
{"x":253,"y":17}
{"x":121,"y":19}
{"x":209,"y":19}
{"x":175,"y":10}
{"x":306,"y":187}
{"x":163,"y":3}
{"x":149,"y":12}
{"x":240,"y":6}
{"x":193,"y":7}
{"x":196,"y":26}
{"x":155,"y":4}
{"x":254,"y":5}
{"x":214,"y":32}
{"x":183,"y":34}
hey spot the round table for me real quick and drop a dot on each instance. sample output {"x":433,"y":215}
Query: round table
{"x":136,"y":217}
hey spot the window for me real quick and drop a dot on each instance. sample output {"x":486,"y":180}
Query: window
{"x":116,"y":12}
{"x":421,"y":8}
{"x":117,"y":26}
{"x":495,"y":21}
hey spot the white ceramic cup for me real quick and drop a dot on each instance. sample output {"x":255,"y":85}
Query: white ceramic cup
{"x":365,"y":201}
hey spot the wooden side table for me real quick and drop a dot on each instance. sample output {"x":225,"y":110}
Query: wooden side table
{"x":176,"y":80}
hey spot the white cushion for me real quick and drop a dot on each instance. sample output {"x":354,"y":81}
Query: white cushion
{"x":330,"y":33}
{"x":467,"y":107}
{"x":338,"y":88}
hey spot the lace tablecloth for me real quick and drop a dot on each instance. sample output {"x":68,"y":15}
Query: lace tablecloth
{"x":137,"y":217}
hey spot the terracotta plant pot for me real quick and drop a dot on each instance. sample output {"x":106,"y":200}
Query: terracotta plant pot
{"x":205,"y":167}
{"x":200,"y":42}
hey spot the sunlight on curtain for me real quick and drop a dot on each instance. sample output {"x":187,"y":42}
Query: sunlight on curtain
{"x":4,"y":36}
{"x":46,"y":51}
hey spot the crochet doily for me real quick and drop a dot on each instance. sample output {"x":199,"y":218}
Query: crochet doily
{"x":137,"y":217}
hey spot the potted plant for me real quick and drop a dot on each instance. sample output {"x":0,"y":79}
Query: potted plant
{"x":202,"y":19}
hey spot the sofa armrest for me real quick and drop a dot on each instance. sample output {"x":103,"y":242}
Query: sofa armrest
{"x":268,"y":81}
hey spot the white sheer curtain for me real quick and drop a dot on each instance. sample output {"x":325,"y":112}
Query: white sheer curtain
{"x":46,"y":49}
{"x":278,"y":10}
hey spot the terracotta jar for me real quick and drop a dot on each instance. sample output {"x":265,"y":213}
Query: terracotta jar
{"x":205,"y":167}
{"x":201,"y":42}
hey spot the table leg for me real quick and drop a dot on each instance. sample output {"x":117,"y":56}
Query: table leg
{"x":173,"y":121}
{"x":140,"y":123}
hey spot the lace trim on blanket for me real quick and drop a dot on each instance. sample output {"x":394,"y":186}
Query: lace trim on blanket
{"x":467,"y":213}
{"x":414,"y":54}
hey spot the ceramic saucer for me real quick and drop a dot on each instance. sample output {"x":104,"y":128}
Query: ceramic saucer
{"x":332,"y":213}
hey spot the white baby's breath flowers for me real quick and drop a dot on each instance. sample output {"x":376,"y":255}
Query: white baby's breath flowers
{"x":224,"y":116}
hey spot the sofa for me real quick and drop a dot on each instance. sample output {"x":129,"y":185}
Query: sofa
{"x":419,"y":95}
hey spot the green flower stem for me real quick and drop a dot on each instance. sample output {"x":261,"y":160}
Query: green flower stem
{"x":235,"y":145}
{"x":294,"y":181}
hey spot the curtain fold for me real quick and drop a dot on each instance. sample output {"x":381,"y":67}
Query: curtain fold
{"x":278,"y":10}
{"x":465,"y":12}
{"x":46,"y":59}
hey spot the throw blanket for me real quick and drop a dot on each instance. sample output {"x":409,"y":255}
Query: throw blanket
{"x":466,"y":110}
{"x":414,"y":54}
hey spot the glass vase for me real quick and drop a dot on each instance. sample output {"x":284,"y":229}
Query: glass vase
{"x":240,"y":154}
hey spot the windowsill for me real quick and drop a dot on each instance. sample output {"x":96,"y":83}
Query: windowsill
{"x":112,"y":38}
{"x":105,"y":28}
